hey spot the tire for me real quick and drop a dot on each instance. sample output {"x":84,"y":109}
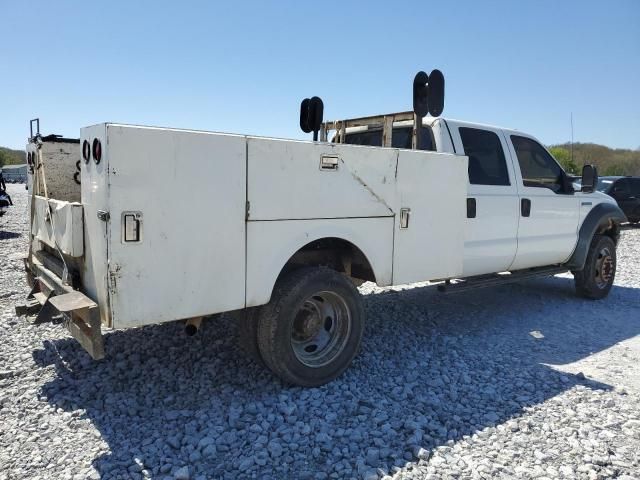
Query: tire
{"x":310,"y":331}
{"x":248,"y":334}
{"x":596,"y":279}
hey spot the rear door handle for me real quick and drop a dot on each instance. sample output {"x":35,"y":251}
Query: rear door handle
{"x":525,"y":207}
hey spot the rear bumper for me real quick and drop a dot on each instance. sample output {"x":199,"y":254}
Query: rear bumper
{"x":50,"y":297}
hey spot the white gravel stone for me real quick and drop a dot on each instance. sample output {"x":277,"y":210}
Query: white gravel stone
{"x":182,"y":473}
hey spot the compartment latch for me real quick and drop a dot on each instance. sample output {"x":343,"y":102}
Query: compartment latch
{"x":329,"y":162}
{"x":131,"y":227}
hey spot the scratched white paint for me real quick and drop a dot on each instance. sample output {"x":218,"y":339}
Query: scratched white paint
{"x":190,"y":190}
{"x":271,"y":244}
{"x":433,"y":186}
{"x":95,"y":197}
{"x":285,"y":180}
{"x":59,"y":224}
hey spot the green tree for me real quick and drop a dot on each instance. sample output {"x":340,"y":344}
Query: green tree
{"x":11,"y":157}
{"x":614,"y":169}
{"x":4,"y":158}
{"x":608,"y":160}
{"x":563,"y":157}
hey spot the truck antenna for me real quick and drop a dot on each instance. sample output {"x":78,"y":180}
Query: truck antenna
{"x":571,"y":137}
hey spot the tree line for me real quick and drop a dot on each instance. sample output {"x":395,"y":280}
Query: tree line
{"x":609,"y":161}
{"x":12,"y":157}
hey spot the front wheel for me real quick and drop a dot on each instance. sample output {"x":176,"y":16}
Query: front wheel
{"x":596,"y":279}
{"x":310,"y":331}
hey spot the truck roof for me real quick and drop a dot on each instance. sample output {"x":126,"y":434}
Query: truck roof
{"x":475,"y":124}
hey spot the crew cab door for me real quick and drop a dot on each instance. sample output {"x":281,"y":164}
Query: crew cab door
{"x":491,"y":226}
{"x":549,"y":214}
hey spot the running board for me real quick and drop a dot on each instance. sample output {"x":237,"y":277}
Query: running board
{"x":495,"y":279}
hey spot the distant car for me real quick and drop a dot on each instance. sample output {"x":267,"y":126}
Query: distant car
{"x":625,"y":191}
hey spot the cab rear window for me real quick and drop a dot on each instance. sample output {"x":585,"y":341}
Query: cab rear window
{"x":401,"y":138}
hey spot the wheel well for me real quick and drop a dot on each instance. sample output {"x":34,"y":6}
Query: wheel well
{"x":611,"y":229}
{"x":335,"y":253}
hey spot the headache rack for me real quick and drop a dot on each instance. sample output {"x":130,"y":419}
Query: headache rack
{"x":428,"y":98}
{"x":382,"y":122}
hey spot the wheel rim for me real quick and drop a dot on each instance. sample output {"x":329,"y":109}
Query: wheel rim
{"x":321,"y":328}
{"x":604,"y":268}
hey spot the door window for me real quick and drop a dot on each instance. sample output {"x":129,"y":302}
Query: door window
{"x":487,"y":165}
{"x":620,"y":189}
{"x":605,"y":185}
{"x":635,"y":187}
{"x":538,"y":167}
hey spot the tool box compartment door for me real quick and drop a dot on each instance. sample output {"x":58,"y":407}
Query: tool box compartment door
{"x":177,"y":214}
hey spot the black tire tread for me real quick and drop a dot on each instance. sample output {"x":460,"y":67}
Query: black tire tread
{"x":288,"y":288}
{"x":247,"y":322}
{"x":584,"y":279}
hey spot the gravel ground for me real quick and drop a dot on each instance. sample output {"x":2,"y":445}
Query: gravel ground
{"x":520,"y":381}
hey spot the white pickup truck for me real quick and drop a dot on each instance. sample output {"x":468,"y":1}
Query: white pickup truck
{"x":168,"y":224}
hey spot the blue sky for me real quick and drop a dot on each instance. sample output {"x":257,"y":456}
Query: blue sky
{"x":243,"y":67}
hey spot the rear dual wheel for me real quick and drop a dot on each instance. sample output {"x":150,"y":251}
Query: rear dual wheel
{"x":310,"y":331}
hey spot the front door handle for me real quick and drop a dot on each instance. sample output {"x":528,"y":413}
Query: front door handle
{"x":471,"y":208}
{"x":525,"y":207}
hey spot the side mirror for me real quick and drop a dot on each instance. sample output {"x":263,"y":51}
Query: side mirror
{"x":589,"y":178}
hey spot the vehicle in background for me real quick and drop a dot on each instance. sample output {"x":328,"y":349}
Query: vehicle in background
{"x":5,"y":202}
{"x":15,"y":173}
{"x":5,"y":199}
{"x":625,"y":191}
